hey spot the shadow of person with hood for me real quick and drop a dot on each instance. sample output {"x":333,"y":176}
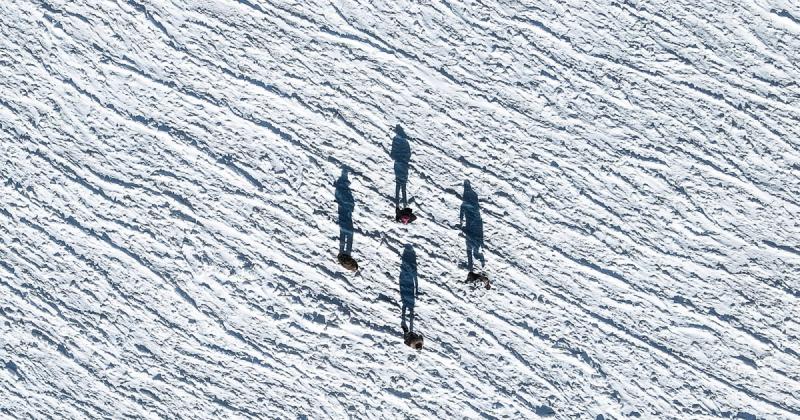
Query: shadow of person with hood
{"x":409,"y":288}
{"x":344,"y":198}
{"x":473,"y":228}
{"x":401,"y":154}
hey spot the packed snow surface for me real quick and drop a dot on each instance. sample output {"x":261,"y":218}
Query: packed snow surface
{"x":175,"y":174}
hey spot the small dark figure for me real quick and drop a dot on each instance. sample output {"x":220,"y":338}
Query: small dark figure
{"x":470,"y":221}
{"x":401,"y":155}
{"x":412,"y":339}
{"x":347,"y":262}
{"x":474,"y":278}
{"x":404,"y":216}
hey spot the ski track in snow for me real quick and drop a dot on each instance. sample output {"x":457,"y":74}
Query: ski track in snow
{"x":168,"y":229}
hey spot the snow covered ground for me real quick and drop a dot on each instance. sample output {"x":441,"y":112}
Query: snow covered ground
{"x":169,"y":229}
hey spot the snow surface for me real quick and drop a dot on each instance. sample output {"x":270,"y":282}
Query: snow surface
{"x":168,"y":223}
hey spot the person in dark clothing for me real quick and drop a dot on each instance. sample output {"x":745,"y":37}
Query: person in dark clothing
{"x":475,"y":278}
{"x":409,"y":288}
{"x":401,"y":155}
{"x":473,"y":228}
{"x":346,"y":203}
{"x":347,"y":261}
{"x":412,"y":339}
{"x":404,"y":216}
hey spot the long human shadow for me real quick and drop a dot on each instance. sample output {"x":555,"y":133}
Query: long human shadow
{"x":472,"y":225}
{"x":401,"y":154}
{"x":409,"y":287}
{"x":344,"y":198}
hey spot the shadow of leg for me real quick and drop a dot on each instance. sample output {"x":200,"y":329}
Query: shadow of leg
{"x":470,"y":250}
{"x":411,"y":319}
{"x":348,"y":246}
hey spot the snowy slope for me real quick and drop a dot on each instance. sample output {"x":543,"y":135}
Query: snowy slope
{"x":168,"y":229}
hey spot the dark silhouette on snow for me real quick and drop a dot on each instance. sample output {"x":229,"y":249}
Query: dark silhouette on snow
{"x":412,"y":339}
{"x":473,"y":228}
{"x":474,"y":279}
{"x":404,"y":216}
{"x":344,"y":198}
{"x":408,"y":286}
{"x":401,"y":154}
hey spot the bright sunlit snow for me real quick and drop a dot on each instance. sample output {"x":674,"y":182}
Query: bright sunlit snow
{"x":175,"y":174}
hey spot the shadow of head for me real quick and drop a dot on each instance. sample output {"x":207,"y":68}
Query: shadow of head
{"x":409,"y":257}
{"x":343,"y":179}
{"x":470,"y":196}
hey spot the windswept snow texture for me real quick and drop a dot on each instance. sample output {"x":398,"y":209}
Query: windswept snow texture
{"x":172,"y":174}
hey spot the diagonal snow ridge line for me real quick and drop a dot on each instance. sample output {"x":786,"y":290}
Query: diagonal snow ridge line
{"x":110,"y":105}
{"x":505,"y":347}
{"x":641,"y":70}
{"x":650,"y":342}
{"x":96,"y":192}
{"x":786,"y":248}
